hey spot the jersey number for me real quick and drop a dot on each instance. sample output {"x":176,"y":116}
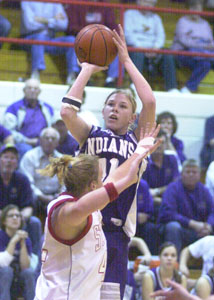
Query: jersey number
{"x":114,"y":163}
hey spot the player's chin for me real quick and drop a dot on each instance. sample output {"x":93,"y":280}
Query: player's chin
{"x":112,"y":126}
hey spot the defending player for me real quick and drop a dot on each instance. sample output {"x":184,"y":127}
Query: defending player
{"x":74,"y":249}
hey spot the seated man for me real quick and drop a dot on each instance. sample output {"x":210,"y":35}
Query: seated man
{"x":186,"y":212}
{"x":144,"y":29}
{"x":27,"y":117}
{"x":15,"y":189}
{"x":44,"y":188}
{"x":41,"y":21}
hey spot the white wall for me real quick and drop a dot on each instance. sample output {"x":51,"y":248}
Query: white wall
{"x":190,"y":110}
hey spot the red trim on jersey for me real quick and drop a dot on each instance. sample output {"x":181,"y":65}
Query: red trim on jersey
{"x":82,"y":234}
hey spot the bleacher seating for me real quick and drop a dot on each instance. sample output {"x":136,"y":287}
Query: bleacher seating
{"x":15,"y":63}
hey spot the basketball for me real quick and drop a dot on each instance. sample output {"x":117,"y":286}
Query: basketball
{"x":94,"y":44}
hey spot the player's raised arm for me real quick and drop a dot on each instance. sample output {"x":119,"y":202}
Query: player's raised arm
{"x":72,"y":101}
{"x":144,"y":91}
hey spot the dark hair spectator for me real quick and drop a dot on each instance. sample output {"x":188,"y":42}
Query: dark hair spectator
{"x":16,"y":274}
{"x":15,"y":189}
{"x":153,"y":279}
{"x":174,"y":145}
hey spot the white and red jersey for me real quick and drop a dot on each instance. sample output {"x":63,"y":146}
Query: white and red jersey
{"x":74,"y":269}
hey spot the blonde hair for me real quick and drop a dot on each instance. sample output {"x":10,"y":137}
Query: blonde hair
{"x":76,"y":173}
{"x":129,"y":94}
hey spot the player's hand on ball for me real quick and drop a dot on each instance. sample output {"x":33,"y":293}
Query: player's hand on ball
{"x":93,"y":68}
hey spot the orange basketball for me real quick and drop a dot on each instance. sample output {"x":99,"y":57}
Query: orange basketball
{"x":94,"y":44}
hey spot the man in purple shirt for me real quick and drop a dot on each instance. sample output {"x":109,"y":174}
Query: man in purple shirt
{"x":187,"y":211}
{"x":27,"y":117}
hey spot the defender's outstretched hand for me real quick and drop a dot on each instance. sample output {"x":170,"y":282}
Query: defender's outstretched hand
{"x":147,"y":143}
{"x":178,"y":292}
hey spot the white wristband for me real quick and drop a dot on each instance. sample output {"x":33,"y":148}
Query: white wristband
{"x":148,"y":141}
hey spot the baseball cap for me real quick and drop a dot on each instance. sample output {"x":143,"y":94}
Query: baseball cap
{"x":7,"y":147}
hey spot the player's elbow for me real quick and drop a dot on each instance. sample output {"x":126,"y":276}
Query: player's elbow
{"x":151,"y":103}
{"x":66,"y":112}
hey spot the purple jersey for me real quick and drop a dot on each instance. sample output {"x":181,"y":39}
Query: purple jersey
{"x":113,"y":150}
{"x":158,"y":285}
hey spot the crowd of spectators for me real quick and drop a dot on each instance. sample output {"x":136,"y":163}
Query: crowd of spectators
{"x":175,"y":209}
{"x":173,"y":205}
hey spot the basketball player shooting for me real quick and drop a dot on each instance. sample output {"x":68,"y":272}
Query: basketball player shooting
{"x":113,"y":145}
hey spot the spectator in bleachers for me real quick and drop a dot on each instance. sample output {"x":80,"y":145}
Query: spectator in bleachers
{"x":161,"y":170}
{"x":173,"y":145}
{"x":44,"y":188}
{"x":203,"y":248}
{"x":5,"y":27}
{"x":15,"y":189}
{"x":187,"y":211}
{"x":67,"y":143}
{"x":193,"y":33}
{"x":145,"y":29}
{"x":207,"y":151}
{"x":80,"y":16}
{"x":5,"y":136}
{"x":41,"y":21}
{"x":27,"y":117}
{"x":146,"y":222}
{"x":16,"y":273}
{"x":155,"y":279}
